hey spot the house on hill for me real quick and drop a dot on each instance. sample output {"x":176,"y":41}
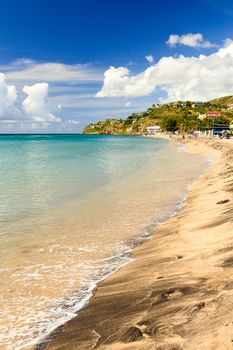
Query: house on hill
{"x":178,"y":104}
{"x":230,"y":106}
{"x":197,"y":104}
{"x":201,"y":116}
{"x":211,"y":114}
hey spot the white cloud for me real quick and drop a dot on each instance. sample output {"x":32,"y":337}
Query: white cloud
{"x":79,"y":80}
{"x":149,"y":58}
{"x":8,"y":121}
{"x":195,"y":78}
{"x":80,"y":102}
{"x":8,"y":96}
{"x":28,"y":70}
{"x":191,"y":40}
{"x":37,"y":105}
{"x":71,"y":121}
{"x":115,"y":82}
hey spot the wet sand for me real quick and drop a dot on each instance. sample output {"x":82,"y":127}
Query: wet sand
{"x":178,"y":291}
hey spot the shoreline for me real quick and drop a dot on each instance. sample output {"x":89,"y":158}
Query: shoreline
{"x":169,"y":193}
{"x":131,"y":243}
{"x":129,"y":331}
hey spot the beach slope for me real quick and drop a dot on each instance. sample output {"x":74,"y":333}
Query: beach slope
{"x":178,"y":291}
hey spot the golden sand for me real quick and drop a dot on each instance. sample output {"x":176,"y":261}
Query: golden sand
{"x":178,"y":291}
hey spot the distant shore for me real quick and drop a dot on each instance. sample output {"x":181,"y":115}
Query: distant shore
{"x":178,"y":291}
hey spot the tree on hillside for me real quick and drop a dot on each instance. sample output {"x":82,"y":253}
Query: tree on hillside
{"x":169,"y":124}
{"x":209,"y":123}
{"x":189,"y":124}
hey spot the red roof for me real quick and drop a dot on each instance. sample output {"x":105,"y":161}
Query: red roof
{"x":213,"y":113}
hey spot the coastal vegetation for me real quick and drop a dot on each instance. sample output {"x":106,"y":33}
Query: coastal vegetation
{"x":184,"y":116}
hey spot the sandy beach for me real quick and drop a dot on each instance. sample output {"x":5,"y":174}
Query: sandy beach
{"x":178,"y":291}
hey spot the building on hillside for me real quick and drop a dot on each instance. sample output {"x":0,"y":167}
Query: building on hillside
{"x":213,"y":114}
{"x":230,"y":106}
{"x":186,"y":104}
{"x":201,"y":116}
{"x":151,"y":130}
{"x":177,"y":104}
{"x":197,"y":104}
{"x":173,"y":104}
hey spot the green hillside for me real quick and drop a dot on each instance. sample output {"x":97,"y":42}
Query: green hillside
{"x":222,"y":101}
{"x":170,"y":117}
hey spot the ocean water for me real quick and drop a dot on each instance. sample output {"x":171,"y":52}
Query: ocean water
{"x":72,"y":207}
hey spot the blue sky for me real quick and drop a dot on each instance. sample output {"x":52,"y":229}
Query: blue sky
{"x":53,"y":56}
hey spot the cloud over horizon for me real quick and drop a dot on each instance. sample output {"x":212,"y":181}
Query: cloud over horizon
{"x":181,"y":78}
{"x":35,"y":109}
{"x":37,"y":105}
{"x":68,"y":83}
{"x":170,"y":78}
{"x":8,"y":96}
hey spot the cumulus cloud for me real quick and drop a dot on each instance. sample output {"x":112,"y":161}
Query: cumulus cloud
{"x":191,"y":40}
{"x":38,"y":106}
{"x":149,"y":58}
{"x":195,"y":78}
{"x":8,"y":96}
{"x":119,"y":83}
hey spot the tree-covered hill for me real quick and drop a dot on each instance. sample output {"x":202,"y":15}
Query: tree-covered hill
{"x":222,"y":102}
{"x":182,"y":116}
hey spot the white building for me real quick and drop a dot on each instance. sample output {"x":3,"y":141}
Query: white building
{"x":201,"y":116}
{"x":151,"y":130}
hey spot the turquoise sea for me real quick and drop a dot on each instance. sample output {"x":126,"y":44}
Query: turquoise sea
{"x":40,"y":171}
{"x":71,"y":209}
